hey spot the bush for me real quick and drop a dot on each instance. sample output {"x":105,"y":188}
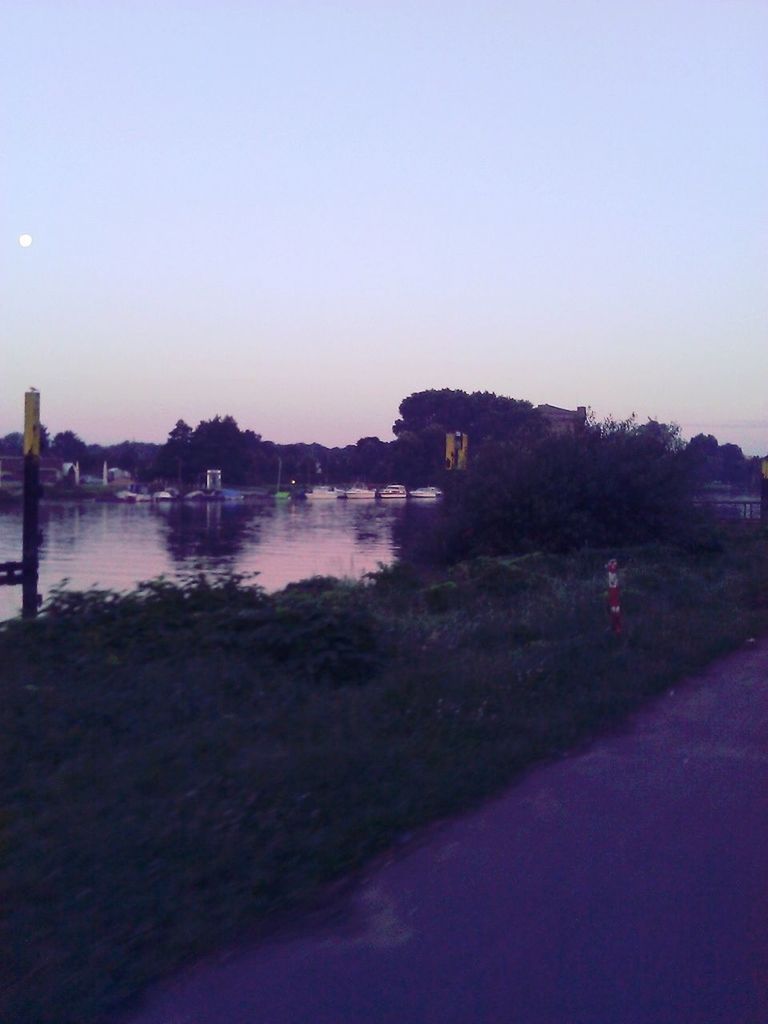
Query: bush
{"x":328,"y":638}
{"x":172,"y":776}
{"x":317,"y":629}
{"x":615,"y":484}
{"x":441,"y":597}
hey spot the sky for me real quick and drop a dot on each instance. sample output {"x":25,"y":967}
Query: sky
{"x":300,"y":213}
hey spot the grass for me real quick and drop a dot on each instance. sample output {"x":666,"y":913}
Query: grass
{"x":185,"y":762}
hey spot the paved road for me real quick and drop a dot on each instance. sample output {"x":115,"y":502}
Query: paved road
{"x":624,"y":885}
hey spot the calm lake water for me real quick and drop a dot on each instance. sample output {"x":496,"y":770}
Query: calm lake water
{"x":117,"y":546}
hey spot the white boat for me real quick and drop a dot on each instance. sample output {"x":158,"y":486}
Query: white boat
{"x":393,"y":491}
{"x":162,"y":496}
{"x":358,"y":492}
{"x":322,"y":493}
{"x":426,"y":492}
{"x":131,"y":497}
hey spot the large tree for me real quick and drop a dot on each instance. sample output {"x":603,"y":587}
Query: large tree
{"x":483,"y":415}
{"x":174,"y":459}
{"x":67,"y":446}
{"x":427,"y":416}
{"x":12,"y":444}
{"x":722,"y":463}
{"x":217,"y":443}
{"x":617,"y":483}
{"x":135,"y":456}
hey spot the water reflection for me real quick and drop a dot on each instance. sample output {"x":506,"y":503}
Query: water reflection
{"x":370,"y":521}
{"x":418,"y":535}
{"x":116,"y":546}
{"x":197,"y":533}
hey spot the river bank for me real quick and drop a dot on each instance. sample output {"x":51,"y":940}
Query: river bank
{"x":623,"y":883}
{"x":186,"y":762}
{"x":117,"y":545}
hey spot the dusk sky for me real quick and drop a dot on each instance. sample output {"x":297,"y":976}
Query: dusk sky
{"x":300,"y":213}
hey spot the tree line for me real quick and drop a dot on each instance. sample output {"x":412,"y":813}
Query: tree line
{"x":500,"y":428}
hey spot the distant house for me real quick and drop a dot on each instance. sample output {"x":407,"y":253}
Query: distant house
{"x":12,"y":469}
{"x":563,"y":421}
{"x":120,"y":477}
{"x":71,"y":472}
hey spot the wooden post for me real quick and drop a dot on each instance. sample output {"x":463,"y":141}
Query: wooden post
{"x":764,"y":491}
{"x":31,"y":502}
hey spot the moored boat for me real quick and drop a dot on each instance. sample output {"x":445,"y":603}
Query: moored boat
{"x":130,"y":497}
{"x":355,"y":493}
{"x":322,"y":493}
{"x":393,"y":491}
{"x":426,"y":492}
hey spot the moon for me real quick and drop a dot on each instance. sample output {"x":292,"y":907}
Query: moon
{"x":25,"y":241}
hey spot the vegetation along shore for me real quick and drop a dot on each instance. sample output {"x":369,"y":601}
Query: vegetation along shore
{"x":414,"y":457}
{"x":187,"y":763}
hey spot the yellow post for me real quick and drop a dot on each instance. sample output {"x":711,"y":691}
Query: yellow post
{"x":463,"y":453}
{"x":32,"y":423}
{"x":30,"y":540}
{"x":450,"y":451}
{"x":456,"y":450}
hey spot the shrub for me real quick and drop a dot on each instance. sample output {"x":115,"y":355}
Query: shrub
{"x":318,"y":629}
{"x":326,"y":638}
{"x":441,"y":597}
{"x":612,"y":485}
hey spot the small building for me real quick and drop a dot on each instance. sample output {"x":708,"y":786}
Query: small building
{"x":563,"y":421}
{"x":213,"y":479}
{"x":119,"y":477}
{"x":71,"y":473}
{"x":12,"y":469}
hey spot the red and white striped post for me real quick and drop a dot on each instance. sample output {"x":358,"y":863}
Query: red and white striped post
{"x":614,"y":602}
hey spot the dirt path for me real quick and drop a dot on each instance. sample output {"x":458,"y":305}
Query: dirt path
{"x":624,"y":885}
